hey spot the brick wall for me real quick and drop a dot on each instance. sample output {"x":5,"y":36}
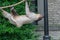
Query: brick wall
{"x":54,"y":11}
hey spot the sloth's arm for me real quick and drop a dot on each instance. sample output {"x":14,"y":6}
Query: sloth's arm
{"x":6,"y":14}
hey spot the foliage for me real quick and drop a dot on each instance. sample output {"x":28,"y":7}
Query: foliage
{"x":11,"y":32}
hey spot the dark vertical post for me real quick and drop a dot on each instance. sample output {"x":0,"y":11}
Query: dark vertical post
{"x":36,"y":5}
{"x":36,"y":22}
{"x":46,"y":26}
{"x":35,"y":10}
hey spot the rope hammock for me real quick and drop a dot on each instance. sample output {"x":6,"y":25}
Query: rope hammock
{"x":13,"y":4}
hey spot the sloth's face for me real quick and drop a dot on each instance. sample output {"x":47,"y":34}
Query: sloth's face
{"x":39,"y":17}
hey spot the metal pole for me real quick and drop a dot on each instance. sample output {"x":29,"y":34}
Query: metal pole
{"x":46,"y":26}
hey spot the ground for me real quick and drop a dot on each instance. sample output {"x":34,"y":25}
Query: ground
{"x":55,"y":35}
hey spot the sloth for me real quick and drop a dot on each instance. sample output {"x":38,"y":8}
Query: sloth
{"x":19,"y":20}
{"x":16,"y":19}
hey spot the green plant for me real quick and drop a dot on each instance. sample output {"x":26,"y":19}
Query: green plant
{"x":11,"y":32}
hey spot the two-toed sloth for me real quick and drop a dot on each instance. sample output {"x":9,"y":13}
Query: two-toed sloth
{"x":19,"y":20}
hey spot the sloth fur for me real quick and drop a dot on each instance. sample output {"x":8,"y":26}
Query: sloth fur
{"x":19,"y":20}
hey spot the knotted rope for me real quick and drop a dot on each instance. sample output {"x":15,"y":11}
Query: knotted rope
{"x":12,"y":4}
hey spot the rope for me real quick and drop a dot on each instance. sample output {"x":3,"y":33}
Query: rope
{"x":13,"y":4}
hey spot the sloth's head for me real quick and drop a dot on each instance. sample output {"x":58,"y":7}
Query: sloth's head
{"x":39,"y":17}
